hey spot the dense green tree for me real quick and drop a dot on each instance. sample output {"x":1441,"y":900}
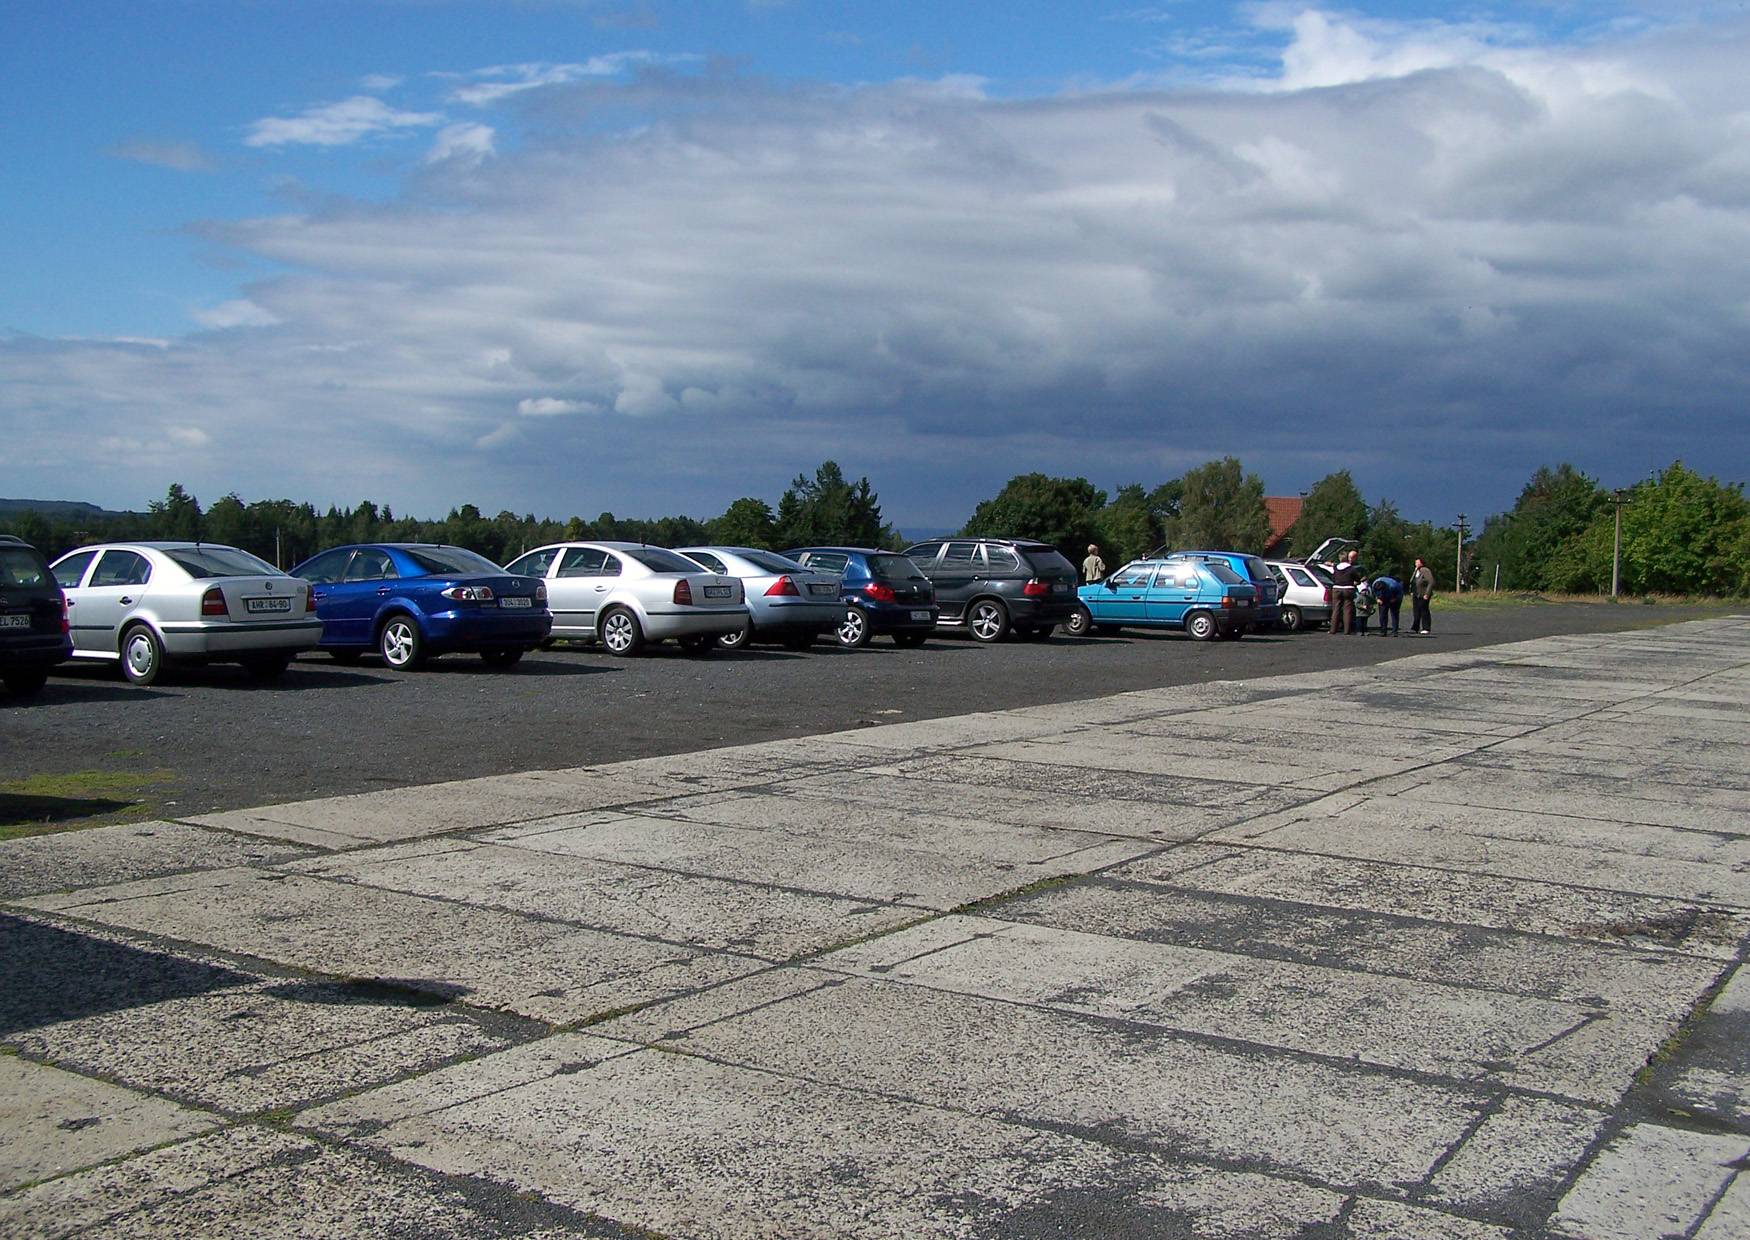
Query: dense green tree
{"x":748,"y":522}
{"x":1061,"y":511}
{"x":1333,"y":508}
{"x":1681,"y":534}
{"x":1129,"y":526}
{"x":1222,"y":509}
{"x":828,"y":509}
{"x":177,"y":515}
{"x":1556,"y":506}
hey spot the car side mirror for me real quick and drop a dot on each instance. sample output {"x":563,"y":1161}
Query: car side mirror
{"x":1111,"y":583}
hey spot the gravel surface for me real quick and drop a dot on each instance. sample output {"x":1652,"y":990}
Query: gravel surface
{"x":207,"y":739}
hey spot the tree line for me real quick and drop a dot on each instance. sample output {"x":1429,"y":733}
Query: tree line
{"x":1681,"y":533}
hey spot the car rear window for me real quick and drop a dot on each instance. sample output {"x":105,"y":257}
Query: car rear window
{"x":1045,"y":561}
{"x":660,"y":560}
{"x":19,"y":567}
{"x":894,"y":568}
{"x":1224,"y":574}
{"x":203,"y":562}
{"x":439,"y":560}
{"x":1256,"y":568}
{"x":767,"y":562}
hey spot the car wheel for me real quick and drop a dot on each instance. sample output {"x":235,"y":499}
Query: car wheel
{"x":620,"y":632}
{"x":1201,"y":625}
{"x":502,"y":658}
{"x":25,"y":680}
{"x":1080,"y":622}
{"x":346,"y":658}
{"x":737,"y":640}
{"x":268,"y":667}
{"x":142,"y":655}
{"x":399,"y":643}
{"x":910,"y":639}
{"x":988,"y":620}
{"x":1292,"y":619}
{"x":800,"y":641}
{"x":854,"y":629}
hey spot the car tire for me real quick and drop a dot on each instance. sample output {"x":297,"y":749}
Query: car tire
{"x":853,"y":630}
{"x":619,"y":632}
{"x":502,"y":658}
{"x":142,"y":655}
{"x":1201,"y":626}
{"x":346,"y":658}
{"x":399,"y":643}
{"x":1080,"y":622}
{"x":737,"y":640}
{"x":25,"y":681}
{"x":267,"y":667}
{"x":987,"y":620}
{"x":1292,"y":619}
{"x":910,"y":639}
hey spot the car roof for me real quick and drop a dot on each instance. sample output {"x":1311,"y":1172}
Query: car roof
{"x":851,"y":550}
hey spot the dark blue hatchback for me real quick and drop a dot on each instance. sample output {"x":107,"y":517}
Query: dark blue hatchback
{"x":413,"y":601}
{"x":883,"y":592}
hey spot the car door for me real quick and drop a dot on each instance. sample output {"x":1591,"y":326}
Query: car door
{"x":575,"y":590}
{"x":354,"y":600}
{"x":1175,"y":591}
{"x":115,"y":589}
{"x":1123,"y":597}
{"x":957,"y":573}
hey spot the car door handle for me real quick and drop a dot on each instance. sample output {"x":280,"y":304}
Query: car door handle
{"x":318,"y":595}
{"x":601,"y":589}
{"x":382,"y":590}
{"x":124,"y":600}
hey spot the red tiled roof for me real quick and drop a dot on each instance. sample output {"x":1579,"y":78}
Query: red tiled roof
{"x":1283,"y":511}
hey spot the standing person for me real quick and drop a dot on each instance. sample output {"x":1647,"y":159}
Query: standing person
{"x":1421,"y":591}
{"x":1093,"y":568}
{"x":1344,"y":578}
{"x":1388,"y":593}
{"x":1363,"y":601}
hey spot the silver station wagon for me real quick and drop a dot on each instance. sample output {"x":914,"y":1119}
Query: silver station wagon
{"x":627,"y":595}
{"x":145,"y":604}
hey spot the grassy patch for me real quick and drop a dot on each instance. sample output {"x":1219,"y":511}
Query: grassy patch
{"x":1491,"y":599}
{"x":39,"y":804}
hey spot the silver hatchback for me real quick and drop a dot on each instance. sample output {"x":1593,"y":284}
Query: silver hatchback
{"x":626,"y":595}
{"x":786,"y":602}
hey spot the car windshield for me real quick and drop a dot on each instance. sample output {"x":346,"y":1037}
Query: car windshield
{"x":766,"y":562}
{"x":894,"y":568}
{"x":436,"y":561}
{"x":19,"y":567}
{"x":1223,"y":573}
{"x":202,"y":562}
{"x":659,"y":560}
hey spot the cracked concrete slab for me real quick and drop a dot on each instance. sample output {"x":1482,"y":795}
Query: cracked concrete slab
{"x":70,"y":860}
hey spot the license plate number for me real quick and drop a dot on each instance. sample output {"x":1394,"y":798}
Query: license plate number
{"x":515,"y":601}
{"x":14,"y":622}
{"x":823,"y":587}
{"x":920,"y":615}
{"x":1059,"y":587}
{"x":717,"y":591}
{"x":258,"y":605}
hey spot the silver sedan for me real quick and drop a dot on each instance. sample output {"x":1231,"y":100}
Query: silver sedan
{"x":786,"y":602}
{"x":143,"y":604}
{"x":626,"y":595}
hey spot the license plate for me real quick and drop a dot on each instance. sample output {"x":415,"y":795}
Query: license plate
{"x":14,"y":622}
{"x":1059,"y":587}
{"x":920,"y":615}
{"x":718,"y":591}
{"x":258,"y":605}
{"x":823,"y":587}
{"x":512,"y":600}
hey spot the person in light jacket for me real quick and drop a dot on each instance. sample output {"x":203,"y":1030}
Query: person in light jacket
{"x":1421,"y":592}
{"x":1093,"y":568}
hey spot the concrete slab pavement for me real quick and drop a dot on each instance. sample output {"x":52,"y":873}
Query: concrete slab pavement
{"x":1451,"y":947}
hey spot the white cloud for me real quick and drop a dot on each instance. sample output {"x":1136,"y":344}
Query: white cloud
{"x":189,"y":437}
{"x":176,"y":156}
{"x":496,"y":82}
{"x":240,"y":312}
{"x":552,"y":407}
{"x":337,"y":124}
{"x":470,"y":143}
{"x":379,"y":83}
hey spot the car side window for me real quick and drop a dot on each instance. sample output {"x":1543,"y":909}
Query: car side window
{"x":1133,"y":578}
{"x":71,"y":570}
{"x":961,"y":555}
{"x":122,"y":568}
{"x":611,"y":565}
{"x":923,"y":553}
{"x":828,"y":561}
{"x":709,"y":561}
{"x":326,"y":567}
{"x":1003,"y":560}
{"x":534,"y":564}
{"x":1302,"y":577}
{"x":369,"y":565}
{"x":583,"y":562}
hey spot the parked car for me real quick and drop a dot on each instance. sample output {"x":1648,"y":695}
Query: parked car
{"x":146,"y":605}
{"x":994,"y":586}
{"x":785,"y":602}
{"x":1250,"y":568}
{"x":33,"y":617}
{"x":626,"y":595}
{"x":882,"y":592}
{"x":1304,"y":591}
{"x":410,"y":602}
{"x":1206,"y":598}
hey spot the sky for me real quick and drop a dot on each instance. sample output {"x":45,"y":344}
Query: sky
{"x":650,"y":256}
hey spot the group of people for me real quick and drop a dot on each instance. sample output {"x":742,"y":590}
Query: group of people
{"x":1354,"y":598}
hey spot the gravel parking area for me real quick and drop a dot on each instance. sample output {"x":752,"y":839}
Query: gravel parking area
{"x":96,"y":750}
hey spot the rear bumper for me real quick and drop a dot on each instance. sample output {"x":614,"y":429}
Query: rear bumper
{"x":796,"y":616}
{"x":195,"y":640}
{"x":35,"y":650}
{"x":663,"y":625}
{"x":898,"y":617}
{"x":469,"y":631}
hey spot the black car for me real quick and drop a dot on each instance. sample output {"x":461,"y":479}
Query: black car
{"x":883,"y":592}
{"x":33,"y":617}
{"x":992,"y":586}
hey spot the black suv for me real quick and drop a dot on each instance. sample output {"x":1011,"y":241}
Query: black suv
{"x":994,"y":585}
{"x":33,"y":617}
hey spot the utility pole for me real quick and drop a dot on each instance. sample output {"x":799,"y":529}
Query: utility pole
{"x":1458,"y":575}
{"x":1618,"y":497}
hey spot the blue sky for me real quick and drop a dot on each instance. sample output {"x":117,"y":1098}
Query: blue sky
{"x":565,"y":257}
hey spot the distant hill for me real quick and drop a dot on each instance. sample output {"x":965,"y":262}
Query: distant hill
{"x":66,"y":509}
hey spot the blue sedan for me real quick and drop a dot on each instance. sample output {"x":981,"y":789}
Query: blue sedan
{"x":413,"y":601}
{"x":1205,"y":599}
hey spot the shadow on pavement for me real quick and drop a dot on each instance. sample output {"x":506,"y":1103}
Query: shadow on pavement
{"x":18,"y":808}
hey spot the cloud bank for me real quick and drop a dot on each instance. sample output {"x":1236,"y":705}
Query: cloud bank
{"x":1434,"y":255}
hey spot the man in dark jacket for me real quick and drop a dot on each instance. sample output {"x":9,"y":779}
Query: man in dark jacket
{"x":1344,"y":578}
{"x":1421,"y":591}
{"x":1388,"y":595}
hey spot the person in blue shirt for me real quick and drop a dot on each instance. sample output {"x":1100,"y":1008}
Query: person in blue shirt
{"x":1388,"y":596}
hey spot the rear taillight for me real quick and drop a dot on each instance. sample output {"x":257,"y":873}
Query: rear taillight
{"x":1327,"y":594}
{"x":783,"y":587}
{"x":541,"y":595}
{"x":1227,"y":600}
{"x":469,"y":594}
{"x":1036,"y":589}
{"x":66,"y":624}
{"x":309,"y":600}
{"x":879,"y":592}
{"x":683,"y":593}
{"x":213,"y":603}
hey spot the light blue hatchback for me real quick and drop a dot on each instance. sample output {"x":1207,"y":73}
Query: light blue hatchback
{"x":1205,"y":599}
